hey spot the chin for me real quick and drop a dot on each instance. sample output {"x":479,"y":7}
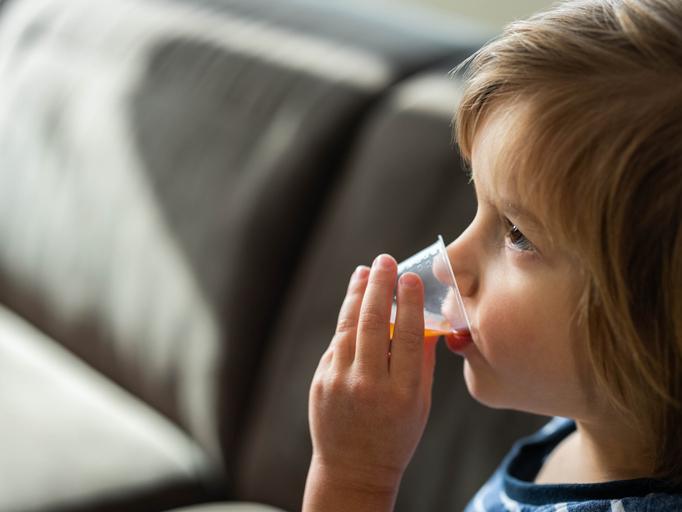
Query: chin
{"x":487,"y":391}
{"x":482,"y":390}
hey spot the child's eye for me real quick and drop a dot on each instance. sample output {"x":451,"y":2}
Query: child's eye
{"x":517,"y":240}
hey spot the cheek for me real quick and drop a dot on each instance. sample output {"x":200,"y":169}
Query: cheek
{"x":507,"y":329}
{"x":507,"y":313}
{"x":525,"y":342}
{"x":523,"y":316}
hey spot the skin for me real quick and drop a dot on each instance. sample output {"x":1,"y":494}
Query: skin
{"x":528,"y":353}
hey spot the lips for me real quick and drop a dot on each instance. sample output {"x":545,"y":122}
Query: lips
{"x":457,"y":341}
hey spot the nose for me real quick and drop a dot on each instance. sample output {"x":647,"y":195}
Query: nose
{"x":462,"y":255}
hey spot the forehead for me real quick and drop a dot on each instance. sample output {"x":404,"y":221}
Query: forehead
{"x":505,"y":165}
{"x":497,"y":153}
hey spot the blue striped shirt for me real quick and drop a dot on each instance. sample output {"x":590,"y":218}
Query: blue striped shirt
{"x":511,"y":488}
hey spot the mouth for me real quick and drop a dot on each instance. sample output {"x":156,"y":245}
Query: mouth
{"x":457,"y":341}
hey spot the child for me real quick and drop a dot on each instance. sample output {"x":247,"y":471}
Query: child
{"x":571,"y":274}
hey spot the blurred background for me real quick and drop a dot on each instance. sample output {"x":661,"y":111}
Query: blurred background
{"x":492,"y":13}
{"x":185,"y":188}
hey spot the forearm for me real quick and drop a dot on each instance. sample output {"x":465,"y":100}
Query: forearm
{"x":327,"y":492}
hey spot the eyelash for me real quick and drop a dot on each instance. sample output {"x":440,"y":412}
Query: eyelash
{"x":517,"y":240}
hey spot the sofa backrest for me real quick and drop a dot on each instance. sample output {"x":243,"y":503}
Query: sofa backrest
{"x":162,"y":165}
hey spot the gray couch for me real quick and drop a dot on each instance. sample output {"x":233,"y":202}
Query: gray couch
{"x":185,"y":187}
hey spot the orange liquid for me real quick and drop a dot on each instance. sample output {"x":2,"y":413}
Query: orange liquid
{"x":428,"y":333}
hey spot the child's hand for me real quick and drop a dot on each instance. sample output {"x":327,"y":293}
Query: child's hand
{"x":368,"y":409}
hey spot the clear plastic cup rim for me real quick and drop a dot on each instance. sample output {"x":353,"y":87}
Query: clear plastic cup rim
{"x":444,"y":254}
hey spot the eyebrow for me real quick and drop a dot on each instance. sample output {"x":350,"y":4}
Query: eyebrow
{"x":518,"y":211}
{"x":512,"y":208}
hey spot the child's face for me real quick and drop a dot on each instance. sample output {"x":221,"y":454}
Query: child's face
{"x":520,"y":294}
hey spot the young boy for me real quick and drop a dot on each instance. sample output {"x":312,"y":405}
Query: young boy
{"x":571,"y":274}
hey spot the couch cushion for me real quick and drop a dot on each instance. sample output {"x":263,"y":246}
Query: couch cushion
{"x":404,"y":185}
{"x":71,"y":437}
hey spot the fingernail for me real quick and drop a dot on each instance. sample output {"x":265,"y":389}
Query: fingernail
{"x":409,"y":280}
{"x":383,"y":261}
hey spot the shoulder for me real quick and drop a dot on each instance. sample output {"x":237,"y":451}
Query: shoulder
{"x":654,"y":502}
{"x":512,"y":487}
{"x":493,"y":499}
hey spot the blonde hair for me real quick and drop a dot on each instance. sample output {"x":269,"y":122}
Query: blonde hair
{"x":601,"y":155}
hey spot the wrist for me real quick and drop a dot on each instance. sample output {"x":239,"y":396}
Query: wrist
{"x":372,"y":479}
{"x":330,"y":488}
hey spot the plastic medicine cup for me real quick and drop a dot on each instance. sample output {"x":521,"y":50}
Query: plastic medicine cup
{"x":443,"y":307}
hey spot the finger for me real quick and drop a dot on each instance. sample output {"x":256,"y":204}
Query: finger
{"x":347,"y":323}
{"x":371,"y":346}
{"x":429,"y":365}
{"x":407,"y":349}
